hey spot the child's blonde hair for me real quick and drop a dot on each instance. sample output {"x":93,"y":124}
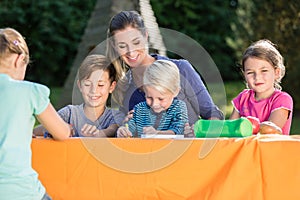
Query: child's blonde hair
{"x":12,"y":42}
{"x":266,"y":50}
{"x":163,"y":75}
{"x":95,"y":62}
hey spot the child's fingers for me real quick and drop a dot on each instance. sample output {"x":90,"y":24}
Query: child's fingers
{"x":83,"y":129}
{"x":128,"y":133}
{"x":128,"y":116}
{"x":93,"y":130}
{"x":123,"y":132}
{"x":96,"y":133}
{"x":120,"y":132}
{"x":188,"y":130}
{"x":88,"y":129}
{"x":149,"y":130}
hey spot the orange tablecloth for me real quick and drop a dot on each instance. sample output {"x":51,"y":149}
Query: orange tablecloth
{"x":257,"y":168}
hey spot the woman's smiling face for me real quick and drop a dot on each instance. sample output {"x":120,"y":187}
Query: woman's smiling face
{"x":131,"y":45}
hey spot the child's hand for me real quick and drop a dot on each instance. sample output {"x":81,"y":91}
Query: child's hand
{"x":123,"y":131}
{"x":149,"y":130}
{"x":188,"y":130}
{"x":91,"y":131}
{"x":268,"y":127}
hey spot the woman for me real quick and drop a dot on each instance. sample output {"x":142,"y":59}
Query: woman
{"x":127,"y":47}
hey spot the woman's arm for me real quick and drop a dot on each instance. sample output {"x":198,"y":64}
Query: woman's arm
{"x":204,"y":101}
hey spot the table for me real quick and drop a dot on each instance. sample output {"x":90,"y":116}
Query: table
{"x":256,"y":167}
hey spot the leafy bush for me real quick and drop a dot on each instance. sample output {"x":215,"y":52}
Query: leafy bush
{"x":279,"y":22}
{"x":207,"y":22}
{"x":52,"y":30}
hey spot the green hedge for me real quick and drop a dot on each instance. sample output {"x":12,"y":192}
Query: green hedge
{"x":52,"y":30}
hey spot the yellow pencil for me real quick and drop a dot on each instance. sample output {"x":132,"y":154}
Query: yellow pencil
{"x":126,"y":125}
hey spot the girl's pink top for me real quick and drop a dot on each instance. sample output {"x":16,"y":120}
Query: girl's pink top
{"x":246,"y":105}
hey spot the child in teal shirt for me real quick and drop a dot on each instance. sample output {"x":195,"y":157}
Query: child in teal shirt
{"x":21,"y":101}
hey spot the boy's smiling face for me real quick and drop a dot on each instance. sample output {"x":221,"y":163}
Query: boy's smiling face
{"x":96,"y":88}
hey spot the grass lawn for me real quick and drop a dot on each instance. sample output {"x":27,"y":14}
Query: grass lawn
{"x":232,"y":89}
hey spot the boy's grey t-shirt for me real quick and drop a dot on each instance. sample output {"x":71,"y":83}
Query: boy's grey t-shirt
{"x":74,"y":114}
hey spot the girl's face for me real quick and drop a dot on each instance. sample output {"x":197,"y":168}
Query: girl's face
{"x":131,"y":46}
{"x":156,"y":100}
{"x":260,"y":76}
{"x":96,"y":89}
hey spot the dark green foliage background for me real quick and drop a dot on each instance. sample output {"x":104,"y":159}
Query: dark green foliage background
{"x":207,"y":22}
{"x":52,"y":30}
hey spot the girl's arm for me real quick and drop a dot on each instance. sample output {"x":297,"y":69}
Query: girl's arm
{"x":279,"y":117}
{"x":56,"y":126}
{"x":235,"y":114}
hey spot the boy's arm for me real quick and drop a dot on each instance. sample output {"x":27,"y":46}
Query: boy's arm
{"x":151,"y":130}
{"x":109,"y":131}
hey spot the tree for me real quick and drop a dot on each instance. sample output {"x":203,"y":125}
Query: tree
{"x":207,"y":22}
{"x":278,"y":21}
{"x":95,"y":34}
{"x":52,"y":30}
